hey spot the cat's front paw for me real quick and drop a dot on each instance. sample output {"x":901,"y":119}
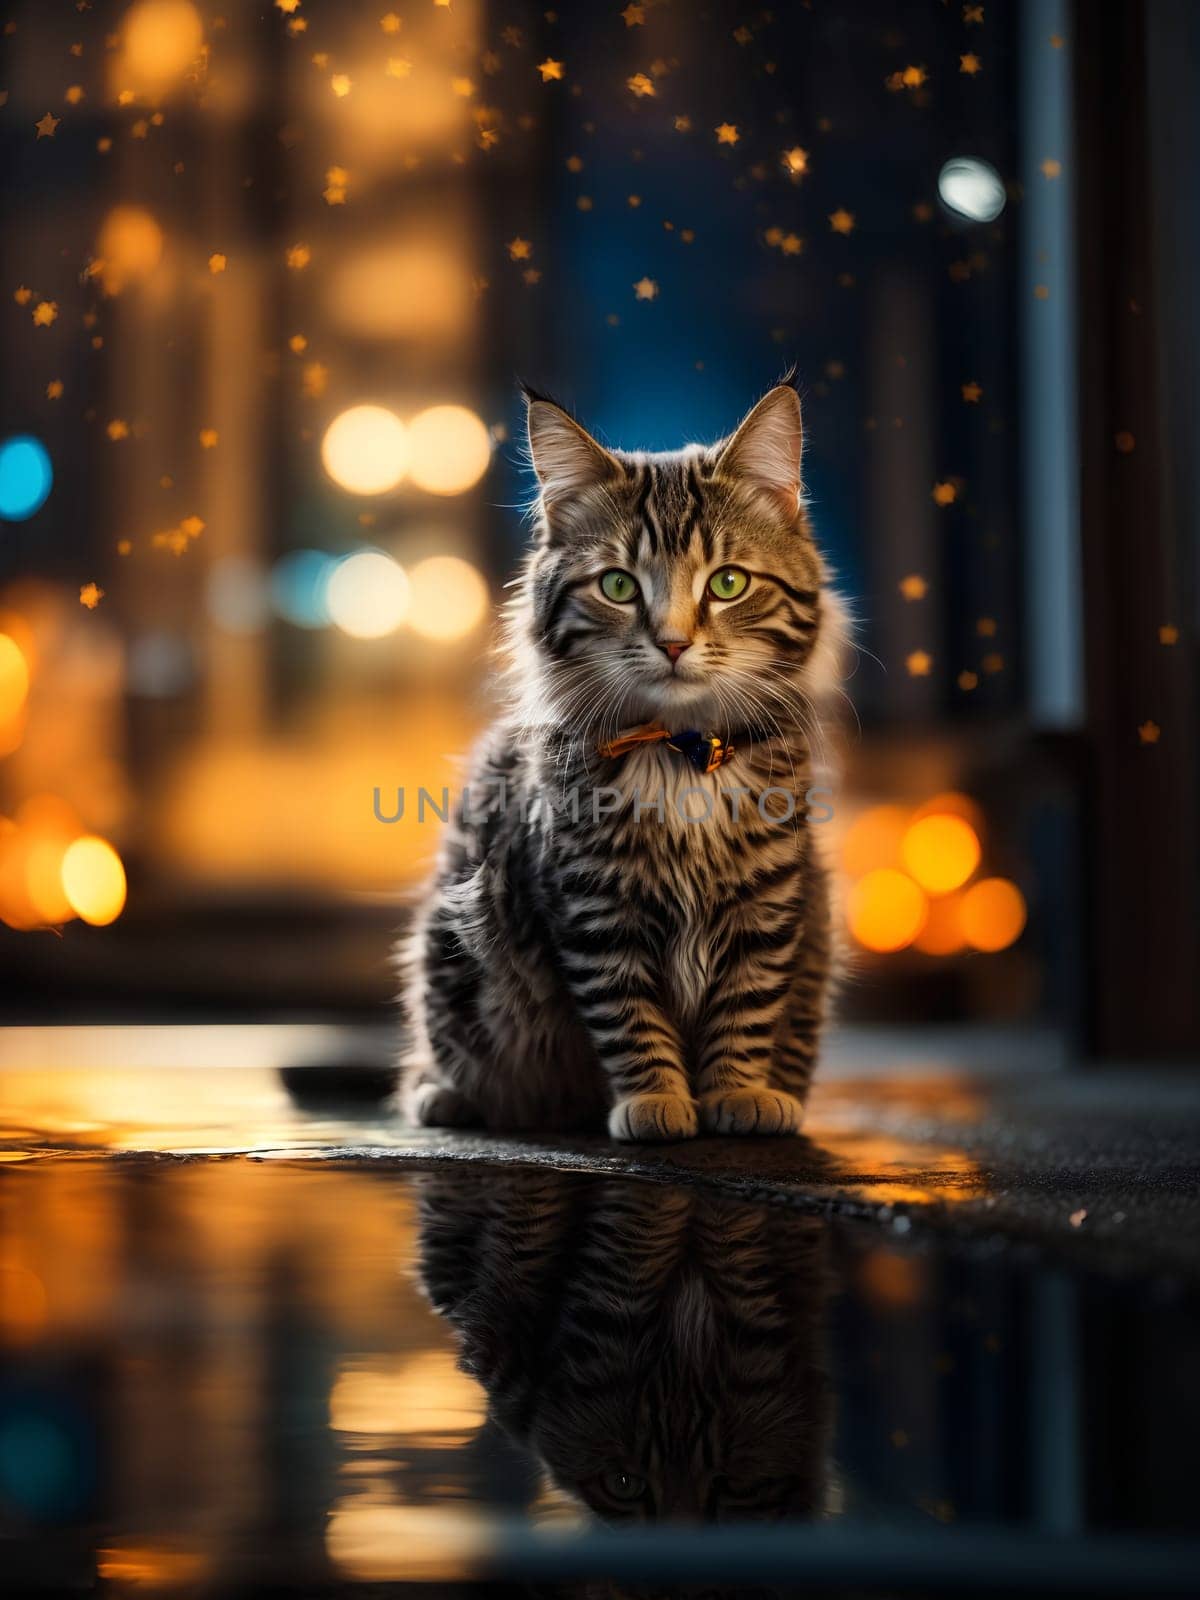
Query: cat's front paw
{"x":653,"y":1118}
{"x":765,"y":1112}
{"x":437,"y":1105}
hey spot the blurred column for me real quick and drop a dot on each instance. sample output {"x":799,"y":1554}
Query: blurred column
{"x":904,"y":531}
{"x":1136,"y":120}
{"x":1049,"y":421}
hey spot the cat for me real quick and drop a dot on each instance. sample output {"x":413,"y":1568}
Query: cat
{"x":659,"y":1350}
{"x":630,"y":918}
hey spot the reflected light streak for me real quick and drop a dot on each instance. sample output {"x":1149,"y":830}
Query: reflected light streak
{"x":375,"y":1543}
{"x":423,"y":1396}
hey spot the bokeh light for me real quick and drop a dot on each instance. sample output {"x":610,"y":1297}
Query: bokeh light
{"x":93,"y":880}
{"x":952,"y":803}
{"x":942,"y":934}
{"x":24,"y":1306}
{"x":161,"y":38}
{"x":993,"y":914}
{"x":450,"y":449}
{"x":298,"y":584}
{"x":44,"y":857}
{"x":886,"y":910}
{"x":14,"y":678}
{"x":365,"y":450}
{"x":26,"y":477}
{"x":449,"y":598}
{"x":238,"y":595}
{"x":873,"y":839}
{"x":941,"y":852}
{"x":972,"y":189}
{"x":368,"y":595}
{"x":130,"y":246}
{"x":405,"y":288}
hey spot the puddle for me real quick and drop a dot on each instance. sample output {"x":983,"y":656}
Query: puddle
{"x":222,"y":1375}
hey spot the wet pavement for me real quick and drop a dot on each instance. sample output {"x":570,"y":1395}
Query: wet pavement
{"x":259,"y":1338}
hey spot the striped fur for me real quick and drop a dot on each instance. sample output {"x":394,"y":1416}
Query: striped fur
{"x":670,"y":973}
{"x":659,"y":1349}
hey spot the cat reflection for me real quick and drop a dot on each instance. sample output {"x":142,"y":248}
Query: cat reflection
{"x":659,"y":1350}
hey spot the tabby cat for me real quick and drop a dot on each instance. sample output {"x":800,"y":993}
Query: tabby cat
{"x":630,"y":915}
{"x":660,"y":1350}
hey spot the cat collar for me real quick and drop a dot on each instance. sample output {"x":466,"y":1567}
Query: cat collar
{"x":704,"y":751}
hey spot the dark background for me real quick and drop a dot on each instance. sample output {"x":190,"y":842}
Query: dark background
{"x":230,"y":754}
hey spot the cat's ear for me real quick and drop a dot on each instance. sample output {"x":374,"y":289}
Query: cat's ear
{"x":565,"y":456}
{"x":766,"y":449}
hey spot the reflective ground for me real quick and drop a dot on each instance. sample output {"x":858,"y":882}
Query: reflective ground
{"x":265,"y":1372}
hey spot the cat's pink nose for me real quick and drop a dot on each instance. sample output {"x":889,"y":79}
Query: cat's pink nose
{"x":674,"y":647}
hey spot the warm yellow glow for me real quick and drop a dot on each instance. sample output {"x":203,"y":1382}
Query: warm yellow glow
{"x":366,"y":450}
{"x":403,"y":289}
{"x":941,"y":852}
{"x":14,"y":677}
{"x":93,"y":880}
{"x":378,"y":1543}
{"x":162,"y":39}
{"x":873,"y":840}
{"x":130,"y":247}
{"x":151,"y":1567}
{"x":44,"y":857}
{"x":368,"y":595}
{"x":886,"y":910}
{"x":892,"y":1281}
{"x":450,"y":449}
{"x":952,"y":803}
{"x":993,"y":914}
{"x":23,"y":1307}
{"x":423,"y":1395}
{"x":449,"y":598}
{"x":31,"y":855}
{"x":942,"y":934}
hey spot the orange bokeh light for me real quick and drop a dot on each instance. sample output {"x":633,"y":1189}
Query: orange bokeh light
{"x":993,"y":914}
{"x":162,"y":39}
{"x":130,"y":246}
{"x":952,"y":803}
{"x":93,"y":881}
{"x":14,"y":677}
{"x":873,"y":840}
{"x":942,"y":934}
{"x":941,"y":852}
{"x":886,"y":910}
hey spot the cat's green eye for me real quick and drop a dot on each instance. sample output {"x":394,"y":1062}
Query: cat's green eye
{"x":624,"y":1485}
{"x":728,"y":583}
{"x":618,"y":586}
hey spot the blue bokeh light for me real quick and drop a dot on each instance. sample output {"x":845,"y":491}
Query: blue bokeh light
{"x":298,"y":587}
{"x":26,"y":477}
